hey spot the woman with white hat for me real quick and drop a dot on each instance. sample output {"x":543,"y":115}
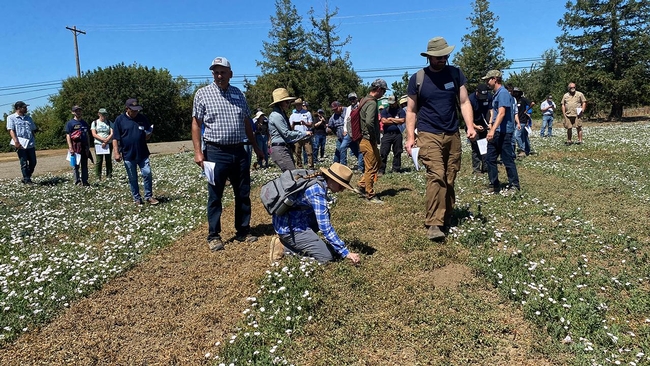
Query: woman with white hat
{"x":282,"y":137}
{"x":297,"y":228}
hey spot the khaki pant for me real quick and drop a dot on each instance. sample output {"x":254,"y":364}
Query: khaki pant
{"x":298,"y":148}
{"x":371,"y":159}
{"x":440,"y":154}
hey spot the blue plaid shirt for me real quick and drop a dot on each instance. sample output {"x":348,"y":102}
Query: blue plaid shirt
{"x":223,"y":113}
{"x":317,"y":214}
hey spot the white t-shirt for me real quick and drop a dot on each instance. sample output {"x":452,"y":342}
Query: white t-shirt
{"x":298,"y":120}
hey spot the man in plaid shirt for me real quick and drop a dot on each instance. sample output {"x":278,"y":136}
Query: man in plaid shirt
{"x":223,"y":110}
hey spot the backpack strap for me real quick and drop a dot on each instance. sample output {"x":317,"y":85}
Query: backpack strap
{"x":455,"y":76}
{"x":419,"y":79}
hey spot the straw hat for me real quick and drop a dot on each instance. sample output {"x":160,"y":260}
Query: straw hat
{"x":437,"y":47}
{"x":340,"y":173}
{"x":280,"y":95}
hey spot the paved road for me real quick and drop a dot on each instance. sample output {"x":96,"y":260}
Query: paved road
{"x":54,"y":160}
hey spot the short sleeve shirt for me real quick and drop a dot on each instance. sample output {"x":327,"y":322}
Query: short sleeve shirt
{"x":503,"y":99}
{"x":131,"y":135}
{"x":392,"y":113}
{"x":437,"y":101}
{"x":299,"y":118}
{"x":82,"y":125}
{"x":102,"y":128}
{"x":23,"y":127}
{"x":223,"y":113}
{"x":573,"y":102}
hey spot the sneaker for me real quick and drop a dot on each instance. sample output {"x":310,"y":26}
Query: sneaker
{"x":568,"y":143}
{"x":276,"y":249}
{"x":137,"y":202}
{"x":435,"y":234}
{"x":246,"y":238}
{"x":215,"y":244}
{"x":578,"y":142}
{"x":376,"y":200}
{"x":152,"y":201}
{"x":522,"y":154}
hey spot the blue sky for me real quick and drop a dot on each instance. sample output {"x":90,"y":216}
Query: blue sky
{"x":184,"y":36}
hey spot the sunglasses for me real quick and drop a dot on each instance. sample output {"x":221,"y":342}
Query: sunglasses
{"x":441,"y":57}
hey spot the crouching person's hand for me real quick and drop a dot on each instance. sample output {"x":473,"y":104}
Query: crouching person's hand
{"x":354,"y":257}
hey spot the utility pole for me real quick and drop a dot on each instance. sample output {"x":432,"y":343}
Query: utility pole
{"x":76,"y":47}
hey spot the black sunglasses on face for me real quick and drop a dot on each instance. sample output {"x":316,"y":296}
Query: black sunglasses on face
{"x":441,"y":57}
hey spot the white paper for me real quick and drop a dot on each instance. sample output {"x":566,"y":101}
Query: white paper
{"x":77,"y":157}
{"x":414,"y":154}
{"x":579,"y":110}
{"x":529,"y":130}
{"x":23,"y":142}
{"x":99,"y":150}
{"x":482,"y":146}
{"x":208,"y":169}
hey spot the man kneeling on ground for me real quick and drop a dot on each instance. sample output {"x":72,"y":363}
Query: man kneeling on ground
{"x":298,"y":227}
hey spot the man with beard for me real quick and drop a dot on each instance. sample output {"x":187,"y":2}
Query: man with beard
{"x":574,"y":104}
{"x":436,"y":103}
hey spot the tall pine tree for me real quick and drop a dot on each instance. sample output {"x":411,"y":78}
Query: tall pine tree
{"x":482,"y":48}
{"x":605,"y":45}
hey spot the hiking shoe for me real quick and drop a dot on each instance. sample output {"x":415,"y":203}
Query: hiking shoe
{"x":137,"y":202}
{"x":152,"y":201}
{"x":247,"y":238}
{"x":376,"y":200}
{"x":435,"y":234}
{"x":215,"y":244}
{"x":276,"y":249}
{"x":521,"y":154}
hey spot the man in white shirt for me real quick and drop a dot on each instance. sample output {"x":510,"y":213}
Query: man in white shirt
{"x":301,"y":120}
{"x":548,"y":110}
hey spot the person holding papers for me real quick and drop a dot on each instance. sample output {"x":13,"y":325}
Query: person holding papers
{"x":102,"y":131}
{"x":21,"y":127}
{"x":573,"y":104}
{"x":76,"y":135}
{"x":481,"y":102}
{"x":222,"y":109}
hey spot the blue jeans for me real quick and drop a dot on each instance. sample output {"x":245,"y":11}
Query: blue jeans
{"x":132,"y":172}
{"x":521,"y":136}
{"x":319,"y":146}
{"x":230,"y":163}
{"x":501,"y":144}
{"x":354,"y":147}
{"x":337,"y":152}
{"x":262,"y":143}
{"x":27,"y":159}
{"x":547,"y":121}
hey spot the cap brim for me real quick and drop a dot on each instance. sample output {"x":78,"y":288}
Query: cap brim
{"x":326,"y":171}
{"x":135,"y":108}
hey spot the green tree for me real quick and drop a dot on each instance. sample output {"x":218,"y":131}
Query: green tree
{"x":320,"y":75}
{"x":482,"y":48}
{"x":399,"y":87}
{"x":605,"y":45}
{"x":541,"y":79}
{"x":285,"y":54}
{"x":166,"y":101}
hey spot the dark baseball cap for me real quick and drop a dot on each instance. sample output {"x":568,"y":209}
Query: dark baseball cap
{"x":133,"y":105}
{"x":482,"y":91}
{"x":75,"y":108}
{"x":20,"y":104}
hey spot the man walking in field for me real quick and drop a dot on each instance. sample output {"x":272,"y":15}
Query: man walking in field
{"x":21,"y":128}
{"x":435,"y":104}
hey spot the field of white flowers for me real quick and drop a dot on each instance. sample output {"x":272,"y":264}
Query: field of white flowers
{"x":570,"y":250}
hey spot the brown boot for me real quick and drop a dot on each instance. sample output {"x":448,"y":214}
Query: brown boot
{"x":276,"y":249}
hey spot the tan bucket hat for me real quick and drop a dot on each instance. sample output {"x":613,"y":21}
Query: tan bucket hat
{"x":340,"y":174}
{"x":437,"y":47}
{"x":280,"y":95}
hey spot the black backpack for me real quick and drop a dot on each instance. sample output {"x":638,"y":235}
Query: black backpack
{"x":278,"y":195}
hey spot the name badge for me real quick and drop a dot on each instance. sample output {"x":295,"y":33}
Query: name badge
{"x":235,"y":96}
{"x":449,"y":86}
{"x":141,"y":128}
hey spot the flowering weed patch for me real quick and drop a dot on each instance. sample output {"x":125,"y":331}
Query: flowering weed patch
{"x":285,"y":301}
{"x":59,"y":242}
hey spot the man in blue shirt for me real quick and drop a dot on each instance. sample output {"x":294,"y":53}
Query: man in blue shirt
{"x":76,"y":134}
{"x":499,"y":136}
{"x":336,"y":125}
{"x":21,"y":127}
{"x":393,"y":118}
{"x":436,"y":103}
{"x":131,"y":132}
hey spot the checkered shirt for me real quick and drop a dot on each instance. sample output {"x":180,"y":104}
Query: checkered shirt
{"x":315,"y":199}
{"x":223,"y":114}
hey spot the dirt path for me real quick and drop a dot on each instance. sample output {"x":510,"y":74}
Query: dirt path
{"x":51,"y":161}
